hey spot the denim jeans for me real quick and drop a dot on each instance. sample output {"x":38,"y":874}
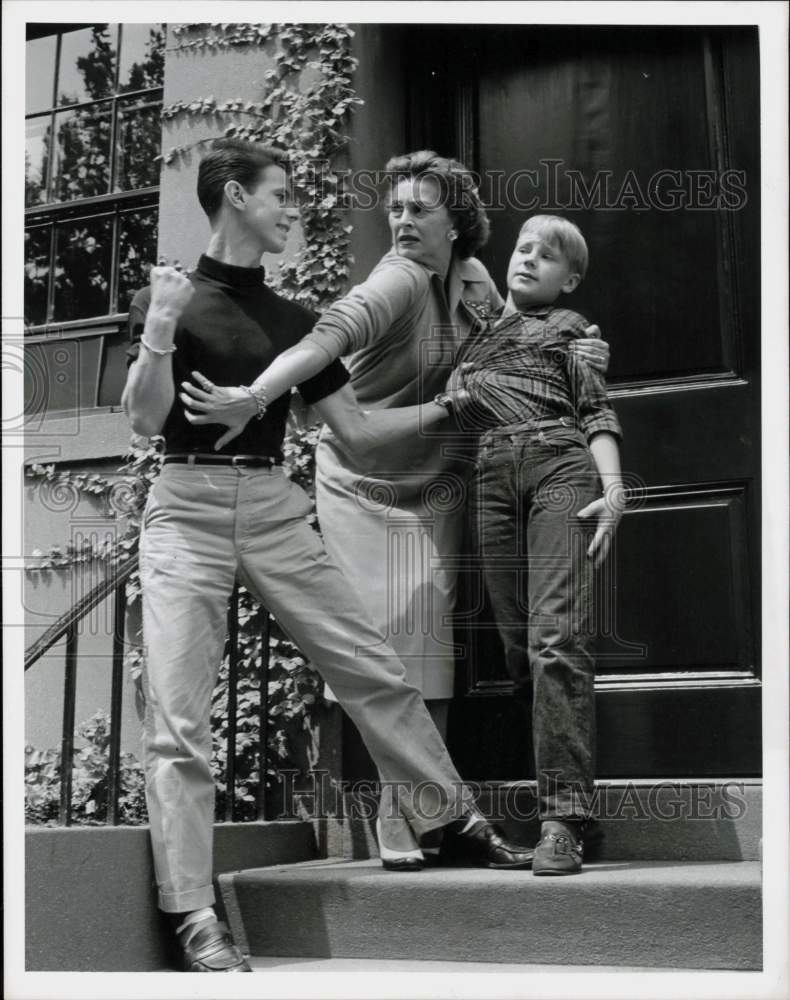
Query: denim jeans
{"x":527,"y":488}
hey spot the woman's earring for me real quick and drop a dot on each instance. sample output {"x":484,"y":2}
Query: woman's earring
{"x":452,"y":235}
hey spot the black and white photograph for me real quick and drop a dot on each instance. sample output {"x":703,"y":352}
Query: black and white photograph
{"x":395,"y":534}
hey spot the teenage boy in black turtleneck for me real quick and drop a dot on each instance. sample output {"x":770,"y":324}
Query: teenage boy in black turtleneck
{"x":213,"y":514}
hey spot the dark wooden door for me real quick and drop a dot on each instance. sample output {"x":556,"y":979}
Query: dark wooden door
{"x":648,"y":138}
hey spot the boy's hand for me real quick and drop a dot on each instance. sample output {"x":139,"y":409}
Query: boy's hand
{"x":217,"y":404}
{"x":608,"y":510}
{"x":593,"y":349}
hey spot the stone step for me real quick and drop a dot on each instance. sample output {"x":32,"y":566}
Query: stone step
{"x":397,"y":966}
{"x":672,"y":820}
{"x":624,"y":914}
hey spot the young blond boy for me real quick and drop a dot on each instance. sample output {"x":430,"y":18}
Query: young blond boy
{"x":545,"y":500}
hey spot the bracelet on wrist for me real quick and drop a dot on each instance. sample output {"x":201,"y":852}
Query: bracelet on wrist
{"x":258,"y":394}
{"x":161,"y":352}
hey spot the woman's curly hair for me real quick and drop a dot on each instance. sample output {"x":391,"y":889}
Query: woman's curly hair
{"x":459,"y":194}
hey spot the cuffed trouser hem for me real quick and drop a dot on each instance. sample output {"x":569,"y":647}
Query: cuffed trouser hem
{"x":183,"y":902}
{"x":573,"y":801}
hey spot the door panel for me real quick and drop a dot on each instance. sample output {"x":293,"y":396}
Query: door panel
{"x":648,"y":138}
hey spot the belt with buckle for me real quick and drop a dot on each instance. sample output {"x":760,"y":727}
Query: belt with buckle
{"x":532,"y":426}
{"x":235,"y":461}
{"x":549,"y":424}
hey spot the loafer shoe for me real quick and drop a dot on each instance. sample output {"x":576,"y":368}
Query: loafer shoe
{"x":211,"y":949}
{"x":482,"y":846}
{"x":559,"y":850}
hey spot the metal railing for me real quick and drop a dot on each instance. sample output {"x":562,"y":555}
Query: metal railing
{"x":67,"y":626}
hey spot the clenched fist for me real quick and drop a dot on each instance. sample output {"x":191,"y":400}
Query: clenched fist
{"x":171,"y":290}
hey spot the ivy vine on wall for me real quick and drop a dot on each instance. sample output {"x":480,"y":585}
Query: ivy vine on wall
{"x":306,"y":100}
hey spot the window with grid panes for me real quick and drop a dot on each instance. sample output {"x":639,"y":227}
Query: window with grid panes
{"x":93,"y":101}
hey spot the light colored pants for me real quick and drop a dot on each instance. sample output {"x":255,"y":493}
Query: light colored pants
{"x":401,"y":558}
{"x":202,"y":526}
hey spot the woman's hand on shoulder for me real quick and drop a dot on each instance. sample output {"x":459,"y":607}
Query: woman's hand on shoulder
{"x":593,"y":349}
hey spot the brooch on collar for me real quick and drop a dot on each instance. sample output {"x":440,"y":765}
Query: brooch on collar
{"x":481,"y":309}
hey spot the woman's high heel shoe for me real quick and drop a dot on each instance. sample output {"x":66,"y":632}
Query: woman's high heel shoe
{"x":398,"y":861}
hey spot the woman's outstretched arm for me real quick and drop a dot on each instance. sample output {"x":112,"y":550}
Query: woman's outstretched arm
{"x":362,"y":317}
{"x":360,"y":431}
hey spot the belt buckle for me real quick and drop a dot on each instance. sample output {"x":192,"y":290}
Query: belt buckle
{"x":238,"y":462}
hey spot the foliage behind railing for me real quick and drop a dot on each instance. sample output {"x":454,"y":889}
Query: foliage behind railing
{"x":259,"y":656}
{"x":90,"y":787}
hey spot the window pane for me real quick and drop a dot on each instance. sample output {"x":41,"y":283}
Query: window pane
{"x":138,"y":232}
{"x":37,"y":137}
{"x":40,"y":74}
{"x":36,"y":274}
{"x":142,"y":56}
{"x":82,"y":153}
{"x":138,"y":143}
{"x":82,"y":268}
{"x":87,"y":64}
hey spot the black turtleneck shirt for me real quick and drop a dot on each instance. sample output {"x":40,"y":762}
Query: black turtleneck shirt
{"x":231,"y":329}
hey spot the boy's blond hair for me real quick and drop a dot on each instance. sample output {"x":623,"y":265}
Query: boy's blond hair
{"x":565,"y":233}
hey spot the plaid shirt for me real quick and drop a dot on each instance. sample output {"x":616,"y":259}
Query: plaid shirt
{"x":521,"y":371}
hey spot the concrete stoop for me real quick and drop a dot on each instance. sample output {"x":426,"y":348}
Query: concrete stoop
{"x":646,"y":914}
{"x":89,"y":891}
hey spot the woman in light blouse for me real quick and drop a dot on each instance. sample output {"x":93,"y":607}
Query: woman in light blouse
{"x":392,"y":520}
